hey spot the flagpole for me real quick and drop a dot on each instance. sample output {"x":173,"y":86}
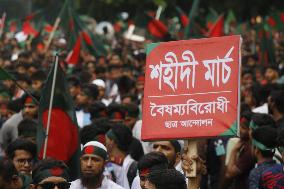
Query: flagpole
{"x":50,"y":105}
{"x":18,"y":85}
{"x":55,"y":26}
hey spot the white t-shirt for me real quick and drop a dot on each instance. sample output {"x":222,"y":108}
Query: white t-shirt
{"x":120,"y":172}
{"x":106,"y":184}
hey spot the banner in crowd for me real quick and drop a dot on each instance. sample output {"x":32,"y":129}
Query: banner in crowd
{"x":192,"y":88}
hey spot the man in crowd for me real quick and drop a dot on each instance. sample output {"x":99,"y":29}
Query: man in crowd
{"x":264,"y":142}
{"x":122,"y":168}
{"x":87,"y":96}
{"x":149,"y":162}
{"x":23,"y":153}
{"x":9,"y":130}
{"x":172,"y":150}
{"x":50,"y":174}
{"x":93,"y":159}
{"x":9,"y":176}
{"x":165,"y":179}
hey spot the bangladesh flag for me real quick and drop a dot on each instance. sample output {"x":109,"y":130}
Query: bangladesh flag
{"x":183,"y":17}
{"x":78,"y":36}
{"x":217,"y":30}
{"x":63,"y":139}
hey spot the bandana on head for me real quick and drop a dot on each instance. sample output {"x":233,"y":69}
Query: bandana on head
{"x":146,"y":171}
{"x":55,"y":171}
{"x":117,"y":115}
{"x":29,"y":100}
{"x":95,"y":148}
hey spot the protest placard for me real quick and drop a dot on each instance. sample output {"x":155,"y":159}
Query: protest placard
{"x":192,"y":89}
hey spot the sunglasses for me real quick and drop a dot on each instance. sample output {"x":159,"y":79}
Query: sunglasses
{"x":51,"y":185}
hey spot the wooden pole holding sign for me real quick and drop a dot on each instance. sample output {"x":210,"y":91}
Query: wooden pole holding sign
{"x":193,"y":182}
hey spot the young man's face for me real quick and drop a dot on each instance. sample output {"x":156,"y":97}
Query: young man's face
{"x":167,"y":149}
{"x":30,"y":110}
{"x":15,"y":183}
{"x":270,"y":75}
{"x":37,"y":85}
{"x":23,"y":161}
{"x":82,"y":99}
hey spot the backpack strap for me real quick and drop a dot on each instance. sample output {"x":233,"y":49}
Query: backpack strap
{"x":132,"y":172}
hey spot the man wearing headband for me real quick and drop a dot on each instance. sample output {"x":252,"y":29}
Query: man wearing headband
{"x":50,"y":174}
{"x":9,"y":130}
{"x":259,"y":120}
{"x":264,"y":142}
{"x":149,"y":162}
{"x":93,"y":159}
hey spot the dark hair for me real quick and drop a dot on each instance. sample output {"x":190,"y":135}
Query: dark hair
{"x":261,"y":119}
{"x":85,"y":77}
{"x":100,"y":69}
{"x":261,"y":92}
{"x":153,"y":160}
{"x":38,"y":75}
{"x":15,"y":105}
{"x":73,"y":81}
{"x":123,"y":135}
{"x":267,"y":136}
{"x":91,"y":91}
{"x":23,"y":77}
{"x":278,"y":98}
{"x":133,"y":97}
{"x":103,"y":125}
{"x":132,"y":110}
{"x":167,"y":179}
{"x":113,"y":108}
{"x":245,"y":107}
{"x":125,"y":84}
{"x":7,"y":170}
{"x":90,"y":132}
{"x":98,"y":110}
{"x":27,"y":128}
{"x":176,"y":145}
{"x":49,"y":164}
{"x":20,"y":144}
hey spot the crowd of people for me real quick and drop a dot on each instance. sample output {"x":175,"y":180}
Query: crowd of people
{"x":108,"y":97}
